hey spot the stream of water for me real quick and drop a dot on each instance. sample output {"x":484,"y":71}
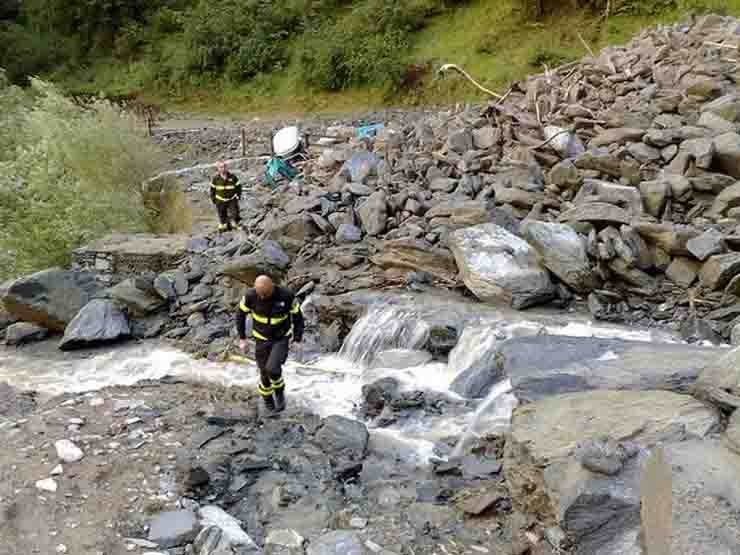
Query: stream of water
{"x":331,"y":384}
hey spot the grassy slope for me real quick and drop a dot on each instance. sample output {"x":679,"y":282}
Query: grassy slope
{"x":486,"y":37}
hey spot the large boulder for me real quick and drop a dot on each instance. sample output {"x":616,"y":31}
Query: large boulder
{"x":417,"y":255}
{"x":270,"y":259}
{"x":50,"y":298}
{"x":719,"y":381}
{"x":292,"y":232}
{"x":728,"y":154}
{"x":24,"y":332}
{"x":563,"y":253}
{"x":140,"y":302}
{"x":553,"y":481}
{"x":99,"y":321}
{"x":374,"y":213}
{"x":498,"y":266}
{"x":548,"y":365}
{"x":719,"y":270}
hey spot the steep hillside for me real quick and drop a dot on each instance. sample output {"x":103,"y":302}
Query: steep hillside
{"x":297,"y":56}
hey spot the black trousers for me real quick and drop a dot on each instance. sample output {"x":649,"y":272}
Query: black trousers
{"x":271,"y":355}
{"x":228,"y":212}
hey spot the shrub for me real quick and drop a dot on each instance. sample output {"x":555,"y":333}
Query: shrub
{"x":73,"y":174}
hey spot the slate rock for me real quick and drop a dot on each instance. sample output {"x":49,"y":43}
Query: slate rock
{"x":51,"y":298}
{"x":374,"y":214}
{"x":342,"y":436}
{"x":139,"y":303}
{"x":348,"y":233}
{"x":100,"y":321}
{"x":728,"y":154}
{"x":173,"y":528}
{"x":683,"y":271}
{"x":24,"y":332}
{"x":719,"y":269}
{"x":707,"y":244}
{"x":563,"y":253}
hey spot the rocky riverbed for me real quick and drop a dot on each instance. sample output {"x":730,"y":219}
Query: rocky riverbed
{"x":518,"y":315}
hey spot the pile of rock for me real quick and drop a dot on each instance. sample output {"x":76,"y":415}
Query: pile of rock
{"x":610,"y":184}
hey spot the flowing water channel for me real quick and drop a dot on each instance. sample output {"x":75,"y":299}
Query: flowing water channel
{"x":333,"y":384}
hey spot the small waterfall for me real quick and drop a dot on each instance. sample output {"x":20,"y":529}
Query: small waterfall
{"x":494,"y":411}
{"x":383,"y":328}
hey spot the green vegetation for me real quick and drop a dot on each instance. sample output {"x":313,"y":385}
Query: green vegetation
{"x":310,"y":55}
{"x":67,"y":175}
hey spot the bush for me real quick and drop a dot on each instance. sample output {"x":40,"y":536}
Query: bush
{"x":368,"y":45}
{"x":72,"y":175}
{"x":239,"y":37}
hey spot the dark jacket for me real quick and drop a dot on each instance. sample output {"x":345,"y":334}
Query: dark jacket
{"x":273,"y":318}
{"x":225,"y":189}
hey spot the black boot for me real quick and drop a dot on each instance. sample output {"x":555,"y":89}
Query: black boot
{"x":280,"y":400}
{"x":269,"y":405}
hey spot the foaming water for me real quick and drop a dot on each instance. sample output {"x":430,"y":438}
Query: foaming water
{"x":382,"y":329}
{"x":332,"y":385}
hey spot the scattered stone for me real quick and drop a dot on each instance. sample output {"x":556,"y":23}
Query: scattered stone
{"x":222,"y":533}
{"x":374,"y":213}
{"x":48,"y":484}
{"x":342,"y":436}
{"x":728,"y":154}
{"x":58,"y":470}
{"x":719,"y":381}
{"x":479,"y":504}
{"x":270,"y":259}
{"x":138,"y":302}
{"x":348,"y":233}
{"x":68,"y":452}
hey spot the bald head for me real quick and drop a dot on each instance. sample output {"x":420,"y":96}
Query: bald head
{"x":263,"y":286}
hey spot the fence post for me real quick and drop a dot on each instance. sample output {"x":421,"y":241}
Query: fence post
{"x":244,"y":143}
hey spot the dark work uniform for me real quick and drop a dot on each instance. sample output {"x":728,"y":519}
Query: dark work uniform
{"x":225,"y":194}
{"x":274,"y":322}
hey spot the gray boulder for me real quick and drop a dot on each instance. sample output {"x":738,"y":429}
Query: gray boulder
{"x":726,"y":107}
{"x":707,"y":244}
{"x":549,"y":365}
{"x":460,"y":141}
{"x":548,"y":481}
{"x":499,"y":266}
{"x":374,"y":213}
{"x":563,"y":253}
{"x":50,"y":298}
{"x":348,"y":233}
{"x":100,"y":321}
{"x":269,"y":259}
{"x":171,"y":284}
{"x":343,"y":437}
{"x":24,"y":332}
{"x":173,"y":528}
{"x":139,"y":302}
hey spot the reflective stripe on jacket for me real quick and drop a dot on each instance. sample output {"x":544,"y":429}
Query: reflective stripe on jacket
{"x":274,"y":318}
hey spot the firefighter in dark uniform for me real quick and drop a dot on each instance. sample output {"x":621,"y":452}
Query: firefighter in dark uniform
{"x":225,"y":194}
{"x":276,"y":320}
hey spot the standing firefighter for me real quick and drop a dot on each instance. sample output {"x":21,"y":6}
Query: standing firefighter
{"x":276,"y":318}
{"x":225,"y":194}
